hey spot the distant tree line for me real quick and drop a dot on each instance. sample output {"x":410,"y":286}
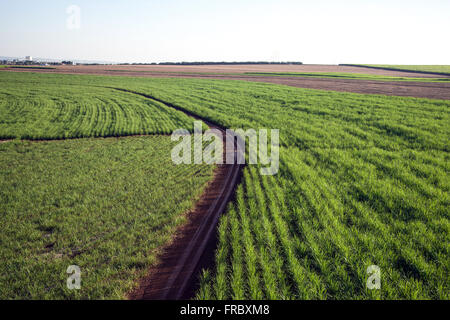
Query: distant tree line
{"x":214,"y":63}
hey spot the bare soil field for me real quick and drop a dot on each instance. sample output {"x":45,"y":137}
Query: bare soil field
{"x":391,"y":88}
{"x":231,"y":69}
{"x":394,"y":88}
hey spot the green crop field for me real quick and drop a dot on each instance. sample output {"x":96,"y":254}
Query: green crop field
{"x":100,"y":204}
{"x":364,"y":180}
{"x":31,"y":67}
{"x":347,"y":76}
{"x":424,"y":68}
{"x":36,"y":110}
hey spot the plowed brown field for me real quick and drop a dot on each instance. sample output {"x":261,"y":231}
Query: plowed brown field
{"x":236,"y":72}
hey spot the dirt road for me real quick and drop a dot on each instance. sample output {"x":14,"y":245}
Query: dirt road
{"x":176,"y":275}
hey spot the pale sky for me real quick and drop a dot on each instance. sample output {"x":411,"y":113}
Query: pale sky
{"x":315,"y":31}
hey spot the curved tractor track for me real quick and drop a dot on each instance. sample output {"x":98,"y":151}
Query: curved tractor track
{"x":176,"y":275}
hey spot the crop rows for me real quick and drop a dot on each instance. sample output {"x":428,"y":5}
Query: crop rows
{"x":66,"y":111}
{"x":100,"y":204}
{"x":364,"y":180}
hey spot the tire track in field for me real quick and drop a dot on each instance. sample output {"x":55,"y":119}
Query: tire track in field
{"x":176,"y":275}
{"x":181,"y":261}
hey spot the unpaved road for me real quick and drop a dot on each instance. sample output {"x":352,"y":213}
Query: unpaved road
{"x":176,"y":275}
{"x":392,"y":88}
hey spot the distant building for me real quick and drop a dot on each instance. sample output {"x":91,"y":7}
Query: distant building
{"x":28,"y":58}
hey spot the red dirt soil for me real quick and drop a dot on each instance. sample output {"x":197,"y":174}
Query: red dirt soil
{"x":393,"y":88}
{"x":176,"y":275}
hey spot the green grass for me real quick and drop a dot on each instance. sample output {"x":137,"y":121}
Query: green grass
{"x":62,"y":110}
{"x":364,"y":179}
{"x":31,"y":67}
{"x":349,"y":76}
{"x":101,"y":204}
{"x":423,"y":68}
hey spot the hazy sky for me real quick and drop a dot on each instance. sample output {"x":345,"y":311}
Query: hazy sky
{"x":315,"y":31}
